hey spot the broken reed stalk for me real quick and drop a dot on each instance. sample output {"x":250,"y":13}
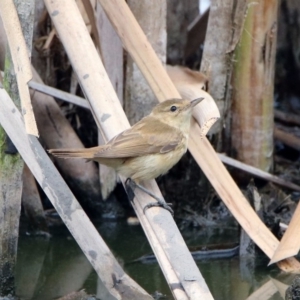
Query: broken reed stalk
{"x":253,"y":86}
{"x":111,"y":120}
{"x":190,"y":86}
{"x":138,"y":47}
{"x":89,"y":240}
{"x":290,"y":242}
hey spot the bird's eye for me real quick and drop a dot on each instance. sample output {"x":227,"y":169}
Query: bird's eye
{"x":173,"y":108}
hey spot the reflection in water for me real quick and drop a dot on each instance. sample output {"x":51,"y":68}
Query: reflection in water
{"x":51,"y":269}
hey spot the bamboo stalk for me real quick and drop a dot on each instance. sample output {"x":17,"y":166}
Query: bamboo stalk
{"x":136,"y":44}
{"x":91,"y":243}
{"x":112,"y":120}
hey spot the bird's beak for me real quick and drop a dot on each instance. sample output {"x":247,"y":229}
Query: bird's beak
{"x":196,"y":101}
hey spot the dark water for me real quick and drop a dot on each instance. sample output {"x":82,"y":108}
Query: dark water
{"x":54,"y":268}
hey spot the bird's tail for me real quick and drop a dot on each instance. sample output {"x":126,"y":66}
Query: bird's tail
{"x":71,"y":153}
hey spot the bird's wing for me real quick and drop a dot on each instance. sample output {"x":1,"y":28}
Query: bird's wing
{"x":146,"y":137}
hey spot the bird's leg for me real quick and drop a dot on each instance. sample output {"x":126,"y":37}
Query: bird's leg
{"x":160,"y":202}
{"x":135,"y":185}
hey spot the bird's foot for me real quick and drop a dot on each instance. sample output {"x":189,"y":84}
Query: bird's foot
{"x":129,"y":182}
{"x":160,"y":202}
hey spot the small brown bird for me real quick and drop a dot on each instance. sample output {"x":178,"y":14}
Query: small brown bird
{"x":149,"y":148}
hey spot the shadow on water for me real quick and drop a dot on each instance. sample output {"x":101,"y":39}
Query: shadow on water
{"x":54,"y":268}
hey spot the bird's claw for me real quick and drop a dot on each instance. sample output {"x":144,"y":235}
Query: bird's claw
{"x":159,"y":203}
{"x":131,"y":183}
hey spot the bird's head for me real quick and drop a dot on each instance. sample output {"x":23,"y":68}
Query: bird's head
{"x":175,"y":112}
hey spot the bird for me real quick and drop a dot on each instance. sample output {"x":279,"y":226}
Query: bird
{"x":148,"y":149}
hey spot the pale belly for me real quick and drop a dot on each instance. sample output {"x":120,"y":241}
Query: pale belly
{"x":150,"y":166}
